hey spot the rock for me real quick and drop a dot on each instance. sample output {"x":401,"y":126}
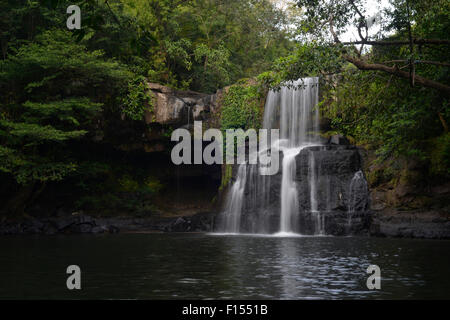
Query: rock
{"x":82,"y":228}
{"x":85,"y":219}
{"x":49,"y":229}
{"x":113,"y":229}
{"x":31,"y":226}
{"x":378,"y":200}
{"x":99,"y":229}
{"x":62,"y":212}
{"x":201,"y":222}
{"x":64,"y":222}
{"x":181,"y":225}
{"x":179,"y":108}
{"x":325,"y":124}
{"x":441,"y":189}
{"x":431,"y":224}
{"x":340,"y":184}
{"x":10,"y":228}
{"x":159,"y":87}
{"x":338,"y":139}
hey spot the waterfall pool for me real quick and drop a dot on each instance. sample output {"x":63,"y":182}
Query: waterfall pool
{"x":221,"y":266}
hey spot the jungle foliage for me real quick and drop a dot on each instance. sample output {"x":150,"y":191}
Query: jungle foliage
{"x":388,"y":89}
{"x":68,"y":96}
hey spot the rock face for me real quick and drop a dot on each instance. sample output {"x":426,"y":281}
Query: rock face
{"x":74,"y":223}
{"x":340,"y":190}
{"x":429,"y":224}
{"x":180,"y":108}
{"x":84,"y":224}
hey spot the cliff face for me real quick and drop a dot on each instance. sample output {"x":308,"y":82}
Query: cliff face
{"x":348,"y":198}
{"x":172,"y":109}
{"x":385,"y":205}
{"x":130,"y":171}
{"x":190,"y":189}
{"x":404,"y":203}
{"x":181,"y":108}
{"x":335,"y":181}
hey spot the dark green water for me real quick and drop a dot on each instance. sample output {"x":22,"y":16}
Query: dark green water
{"x":202,"y":266}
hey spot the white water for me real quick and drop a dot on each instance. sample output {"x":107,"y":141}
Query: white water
{"x":289,"y":196}
{"x":355,"y":183}
{"x":234,"y":204}
{"x":293,"y":110}
{"x":297,"y":115}
{"x":318,"y":216}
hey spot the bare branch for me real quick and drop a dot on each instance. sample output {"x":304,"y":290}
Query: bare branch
{"x":362,"y":23}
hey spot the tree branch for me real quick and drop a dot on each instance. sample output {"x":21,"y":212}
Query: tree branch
{"x":397,"y":72}
{"x":436,"y":63}
{"x":401,"y":43}
{"x":362,"y":65}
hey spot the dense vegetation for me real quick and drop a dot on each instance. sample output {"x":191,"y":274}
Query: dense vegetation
{"x":389,"y":90}
{"x":64,"y":94}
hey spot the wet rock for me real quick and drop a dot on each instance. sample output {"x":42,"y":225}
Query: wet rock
{"x":49,"y":229}
{"x":62,"y":212}
{"x":81,"y":228}
{"x":99,"y":229}
{"x":181,"y":225}
{"x":338,"y":139}
{"x":433,"y":224}
{"x":31,"y":226}
{"x":10,"y":228}
{"x":340,"y":186}
{"x":113,"y":229}
{"x":64,"y":222}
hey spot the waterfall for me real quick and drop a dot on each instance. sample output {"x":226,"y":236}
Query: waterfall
{"x":293,"y":110}
{"x":357,"y":193}
{"x":289,"y":196}
{"x":315,"y":213}
{"x":234,"y":201}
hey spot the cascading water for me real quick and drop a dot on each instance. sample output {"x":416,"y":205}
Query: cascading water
{"x":358,"y":186}
{"x":316,"y":214}
{"x":289,"y":196}
{"x":292,"y":110}
{"x":234,"y":203}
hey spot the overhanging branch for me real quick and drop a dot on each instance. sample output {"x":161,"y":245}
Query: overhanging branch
{"x":400,"y":43}
{"x":362,"y":65}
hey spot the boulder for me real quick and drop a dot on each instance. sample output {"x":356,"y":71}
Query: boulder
{"x":338,"y":139}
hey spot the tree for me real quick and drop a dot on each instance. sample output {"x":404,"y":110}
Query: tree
{"x":335,"y":16}
{"x":54,"y":89}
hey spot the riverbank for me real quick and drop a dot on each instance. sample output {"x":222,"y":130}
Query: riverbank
{"x":388,"y":223}
{"x":79,"y":223}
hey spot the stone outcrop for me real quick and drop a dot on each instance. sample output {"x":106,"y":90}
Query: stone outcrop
{"x":429,"y":224}
{"x":79,"y":223}
{"x":169,"y":109}
{"x":341,"y":189}
{"x":181,"y":108}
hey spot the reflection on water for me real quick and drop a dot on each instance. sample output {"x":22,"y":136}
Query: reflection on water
{"x":202,"y":266}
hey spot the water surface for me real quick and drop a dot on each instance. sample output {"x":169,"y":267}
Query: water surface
{"x":204,"y":266}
